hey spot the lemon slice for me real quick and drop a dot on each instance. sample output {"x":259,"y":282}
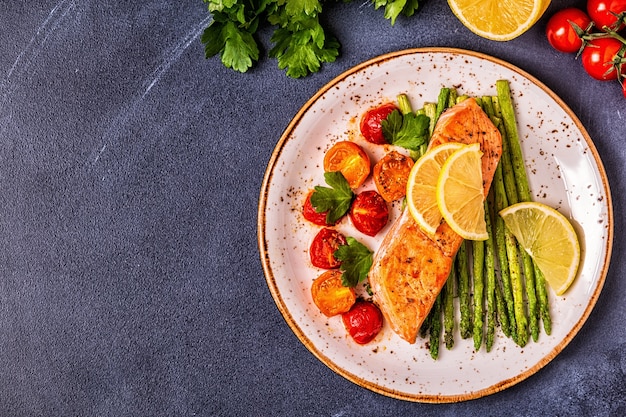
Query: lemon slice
{"x":421,"y":189}
{"x":498,"y":20}
{"x":460,"y":193}
{"x":549,"y":238}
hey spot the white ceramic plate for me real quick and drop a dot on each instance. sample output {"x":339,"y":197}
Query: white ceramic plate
{"x":564,"y":170}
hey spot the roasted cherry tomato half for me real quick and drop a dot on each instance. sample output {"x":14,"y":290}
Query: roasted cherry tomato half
{"x":391,"y":174}
{"x":598,"y":56}
{"x":309,"y":213}
{"x":323,"y":247}
{"x":369,"y":212}
{"x":601,"y":12}
{"x":363,"y":321}
{"x":560,"y":32}
{"x":329,"y":294}
{"x":371,"y":123}
{"x":349,"y":159}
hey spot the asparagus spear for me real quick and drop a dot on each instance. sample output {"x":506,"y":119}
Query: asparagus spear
{"x":507,"y":164}
{"x":462,"y":261}
{"x":435,"y":328}
{"x":425,"y":327}
{"x":542,"y":296}
{"x":501,"y":309}
{"x":531,"y":295}
{"x":510,"y":125}
{"x":452,"y":97}
{"x":448,"y":310}
{"x":430,"y":110}
{"x":517,"y":286}
{"x":404,"y":104}
{"x":478,"y":263}
{"x":442,"y":102}
{"x":490,"y":278}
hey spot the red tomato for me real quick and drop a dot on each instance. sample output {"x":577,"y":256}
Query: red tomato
{"x":598,"y":56}
{"x":363,"y":321}
{"x":309,"y":213}
{"x":391,"y":174}
{"x":323,"y":247}
{"x":601,"y":12}
{"x":560,"y":32}
{"x":371,"y":127}
{"x":369,"y":212}
{"x":349,"y":159}
{"x":624,"y":89}
{"x":329,"y":294}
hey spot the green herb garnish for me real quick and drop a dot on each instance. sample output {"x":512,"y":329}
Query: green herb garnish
{"x":409,"y":131}
{"x":335,"y":200}
{"x":356,"y":261}
{"x":395,"y":8}
{"x":300,"y":42}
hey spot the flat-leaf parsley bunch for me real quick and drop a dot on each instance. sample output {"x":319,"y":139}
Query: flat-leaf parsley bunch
{"x":300,"y":43}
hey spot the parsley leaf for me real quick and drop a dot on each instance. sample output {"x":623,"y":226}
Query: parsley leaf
{"x":394,"y":8}
{"x":408,"y":131}
{"x":336,"y":200}
{"x":231,"y":32}
{"x":296,"y":8}
{"x":356,"y":261}
{"x":237,"y":46}
{"x":301,"y":46}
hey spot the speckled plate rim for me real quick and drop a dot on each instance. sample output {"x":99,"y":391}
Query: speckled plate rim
{"x":271,"y":279}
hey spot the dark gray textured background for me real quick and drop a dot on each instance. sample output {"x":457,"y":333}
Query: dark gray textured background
{"x":130,"y":169}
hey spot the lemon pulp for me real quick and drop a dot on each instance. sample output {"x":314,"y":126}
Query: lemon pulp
{"x":460,"y":194}
{"x":549,"y":238}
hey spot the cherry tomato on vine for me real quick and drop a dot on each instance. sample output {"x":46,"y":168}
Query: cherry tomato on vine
{"x":598,"y":56}
{"x":371,"y":127}
{"x":601,"y":12}
{"x":391,"y":174}
{"x":369,"y":212}
{"x":560,"y":32}
{"x":349,"y":159}
{"x":323,"y":247}
{"x":329,"y":294}
{"x":363,"y":321}
{"x":309,"y":213}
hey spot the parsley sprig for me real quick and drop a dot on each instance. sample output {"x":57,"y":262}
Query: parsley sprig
{"x":356,"y":261}
{"x":395,"y":8}
{"x":301,"y":45}
{"x":409,"y":131}
{"x":335,"y":200}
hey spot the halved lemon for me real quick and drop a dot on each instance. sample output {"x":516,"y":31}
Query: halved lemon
{"x":421,"y":189}
{"x":498,"y":20}
{"x":549,"y":238}
{"x":460,"y":193}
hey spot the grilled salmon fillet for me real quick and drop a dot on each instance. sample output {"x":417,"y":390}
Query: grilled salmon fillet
{"x":410,"y":266}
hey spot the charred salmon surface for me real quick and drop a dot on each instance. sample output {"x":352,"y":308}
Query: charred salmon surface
{"x":410,"y":266}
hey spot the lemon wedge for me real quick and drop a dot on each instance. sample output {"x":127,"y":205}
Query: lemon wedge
{"x":460,"y":193}
{"x":549,"y":238}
